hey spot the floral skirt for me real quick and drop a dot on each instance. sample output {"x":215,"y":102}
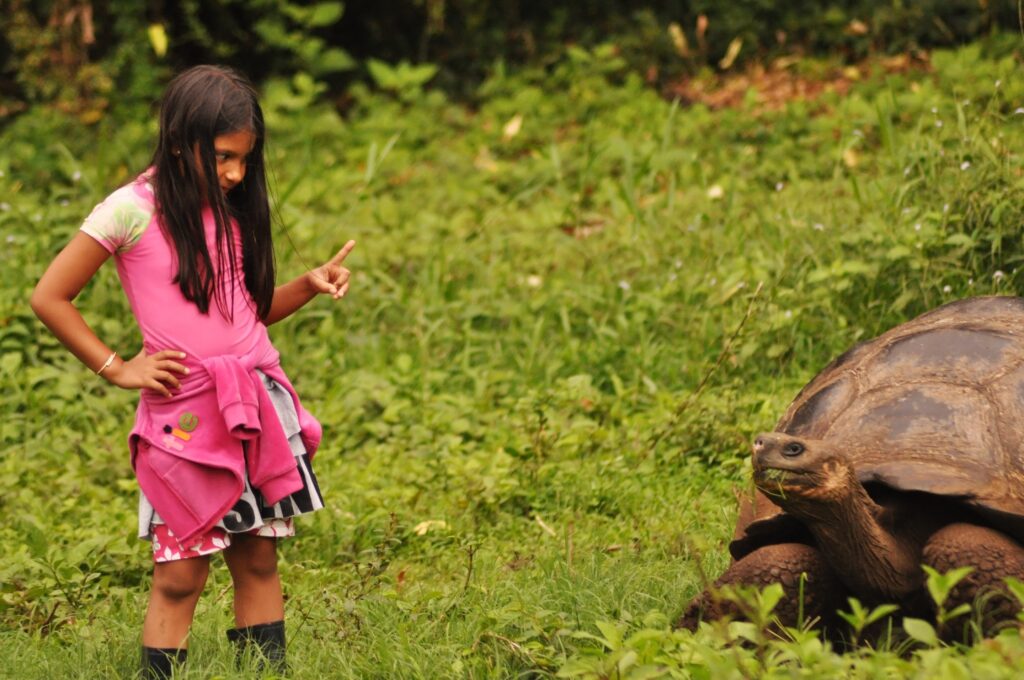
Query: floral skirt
{"x":250,"y":514}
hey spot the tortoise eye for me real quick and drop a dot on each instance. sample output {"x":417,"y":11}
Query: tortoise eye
{"x":793,"y":449}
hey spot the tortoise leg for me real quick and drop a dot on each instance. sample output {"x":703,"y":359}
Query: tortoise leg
{"x":994,"y":556}
{"x":783,"y":563}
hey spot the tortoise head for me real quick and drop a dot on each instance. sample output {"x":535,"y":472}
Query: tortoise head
{"x":793,"y":469}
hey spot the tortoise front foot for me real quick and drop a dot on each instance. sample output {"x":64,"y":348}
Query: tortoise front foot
{"x":994,"y":557}
{"x":822,"y":591}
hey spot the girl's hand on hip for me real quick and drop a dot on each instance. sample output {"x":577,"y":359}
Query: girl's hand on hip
{"x":332,"y":278}
{"x":148,"y":371}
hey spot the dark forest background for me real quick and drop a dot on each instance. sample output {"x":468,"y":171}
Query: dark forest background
{"x":87,"y":56}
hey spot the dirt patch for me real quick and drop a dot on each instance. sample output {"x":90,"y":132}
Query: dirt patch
{"x":774,"y":85}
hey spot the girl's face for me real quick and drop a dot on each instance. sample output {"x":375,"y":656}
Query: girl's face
{"x":231,"y":150}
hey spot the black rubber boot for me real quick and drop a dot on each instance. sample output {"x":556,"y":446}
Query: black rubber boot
{"x":268,"y":639}
{"x":157,"y":664}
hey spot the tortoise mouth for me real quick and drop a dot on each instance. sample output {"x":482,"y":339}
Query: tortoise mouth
{"x":780,"y":480}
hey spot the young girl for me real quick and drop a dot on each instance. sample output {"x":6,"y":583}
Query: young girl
{"x":221,"y":445}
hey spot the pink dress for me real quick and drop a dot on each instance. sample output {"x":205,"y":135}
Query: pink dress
{"x":185,"y":441}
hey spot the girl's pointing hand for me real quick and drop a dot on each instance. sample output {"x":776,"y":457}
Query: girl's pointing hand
{"x":332,"y":278}
{"x":148,"y":371}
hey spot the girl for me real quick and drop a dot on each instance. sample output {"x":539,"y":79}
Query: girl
{"x":221,"y":445}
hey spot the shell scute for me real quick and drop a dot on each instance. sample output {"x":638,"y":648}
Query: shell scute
{"x":935,"y":405}
{"x":953,"y":354}
{"x":813,"y":416}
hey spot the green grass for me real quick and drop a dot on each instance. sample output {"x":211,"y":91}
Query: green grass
{"x":555,"y":345}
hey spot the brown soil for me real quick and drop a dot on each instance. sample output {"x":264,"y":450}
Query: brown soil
{"x":780,"y":82}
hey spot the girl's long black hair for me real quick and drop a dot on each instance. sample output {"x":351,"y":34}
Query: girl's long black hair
{"x":199,"y":105}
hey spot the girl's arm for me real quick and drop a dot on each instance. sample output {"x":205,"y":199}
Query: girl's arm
{"x":52,"y":302}
{"x":328,"y":279}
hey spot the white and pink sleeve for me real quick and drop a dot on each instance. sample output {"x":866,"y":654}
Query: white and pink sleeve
{"x":119,"y":221}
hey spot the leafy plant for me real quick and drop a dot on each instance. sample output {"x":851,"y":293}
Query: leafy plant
{"x":405,"y":80}
{"x":940,"y":586}
{"x":860,"y":618}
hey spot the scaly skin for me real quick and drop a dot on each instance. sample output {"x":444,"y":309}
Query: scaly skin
{"x":783,"y":563}
{"x":994,"y":556}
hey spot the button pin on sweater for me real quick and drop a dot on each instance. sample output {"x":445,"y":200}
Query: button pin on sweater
{"x":188,"y":421}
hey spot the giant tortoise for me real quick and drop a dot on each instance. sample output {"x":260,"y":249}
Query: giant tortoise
{"x":907,"y":450}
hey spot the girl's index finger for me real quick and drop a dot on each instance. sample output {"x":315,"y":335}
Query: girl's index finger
{"x":169,"y":354}
{"x":343,"y":253}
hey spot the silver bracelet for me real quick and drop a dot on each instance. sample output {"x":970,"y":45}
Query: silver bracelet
{"x":106,"y":364}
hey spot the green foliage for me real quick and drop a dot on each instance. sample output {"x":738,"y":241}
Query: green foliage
{"x":290,"y":30}
{"x":86,"y":57}
{"x":861,"y":618}
{"x":541,"y":390}
{"x":47,"y":54}
{"x":940,"y":586}
{"x":659,"y":38}
{"x":404,"y":79}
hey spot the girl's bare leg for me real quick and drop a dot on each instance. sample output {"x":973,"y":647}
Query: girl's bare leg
{"x":172,"y":602}
{"x":252,"y":561}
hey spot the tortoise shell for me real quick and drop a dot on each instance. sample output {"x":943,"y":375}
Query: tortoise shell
{"x":934,"y":405}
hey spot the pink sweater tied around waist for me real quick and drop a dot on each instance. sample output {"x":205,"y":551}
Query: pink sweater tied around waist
{"x":187,"y":450}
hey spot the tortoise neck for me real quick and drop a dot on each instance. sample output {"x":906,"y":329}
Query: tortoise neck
{"x":852,"y":532}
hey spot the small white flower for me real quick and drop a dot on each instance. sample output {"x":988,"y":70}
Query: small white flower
{"x":917,"y":227}
{"x":512,"y":127}
{"x":970,"y":282}
{"x":945,"y":208}
{"x":715,"y":191}
{"x":534,"y":281}
{"x":63,"y":202}
{"x":779,"y":186}
{"x":10,"y":239}
{"x":4,"y":207}
{"x":906,"y":211}
{"x":624,"y":285}
{"x":998,"y":276}
{"x":37,"y":217}
{"x":1,"y":173}
{"x":713,"y":281}
{"x":76,"y":175}
{"x":741,"y":284}
{"x":678,"y":264}
{"x":426,"y":527}
{"x":966,"y":102}
{"x":818,"y":226}
{"x":965,"y":165}
{"x":998,"y":83}
{"x":672,"y":276}
{"x":934,"y":110}
{"x":857,"y":132}
{"x":906,"y":171}
{"x":788,"y":314}
{"x":947,"y":289}
{"x":1018,"y":110}
{"x":938,"y":123}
